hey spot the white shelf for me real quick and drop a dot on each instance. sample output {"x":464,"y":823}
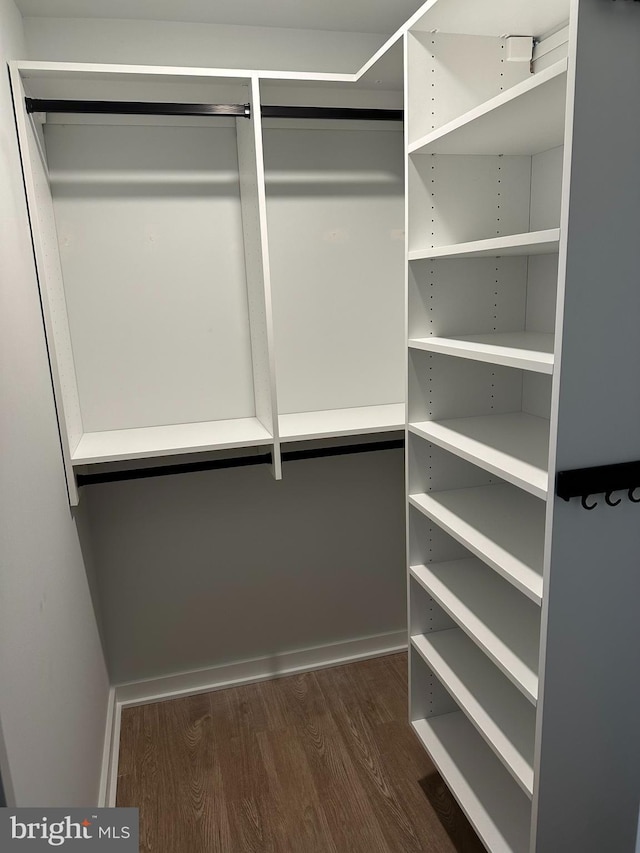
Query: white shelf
{"x":498,"y":618}
{"x":148,"y":442}
{"x":530,"y":243}
{"x":337,"y":422}
{"x":514,"y":446}
{"x":503,"y":716}
{"x":500,"y":524}
{"x":496,"y":807}
{"x":526,"y":119}
{"x":525,"y":350}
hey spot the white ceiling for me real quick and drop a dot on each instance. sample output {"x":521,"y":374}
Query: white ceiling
{"x":364,"y":16}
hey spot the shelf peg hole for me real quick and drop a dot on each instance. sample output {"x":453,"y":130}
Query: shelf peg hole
{"x":608,"y":500}
{"x":585,"y":505}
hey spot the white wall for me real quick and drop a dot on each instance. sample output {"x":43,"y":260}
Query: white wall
{"x":53,"y":682}
{"x":213,"y":45}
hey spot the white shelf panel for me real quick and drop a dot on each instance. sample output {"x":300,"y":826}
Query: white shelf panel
{"x":500,"y":524}
{"x":337,"y":422}
{"x":148,"y":442}
{"x":498,"y":618}
{"x":496,"y":807}
{"x":526,"y":119}
{"x":514,"y":446}
{"x":525,"y":350}
{"x":531,"y":243}
{"x":501,"y":714}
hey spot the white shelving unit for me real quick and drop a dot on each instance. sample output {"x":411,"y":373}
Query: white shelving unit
{"x":202,"y":278}
{"x":485,"y":171}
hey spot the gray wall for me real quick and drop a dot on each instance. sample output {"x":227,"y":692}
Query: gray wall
{"x":222,"y":566}
{"x":589,"y":744}
{"x":53,"y":682}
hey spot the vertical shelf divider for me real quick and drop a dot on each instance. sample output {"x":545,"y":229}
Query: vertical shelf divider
{"x":258,"y":272}
{"x":50,"y":284}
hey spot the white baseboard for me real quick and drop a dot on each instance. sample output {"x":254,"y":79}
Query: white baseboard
{"x":229,"y":675}
{"x":107,"y":751}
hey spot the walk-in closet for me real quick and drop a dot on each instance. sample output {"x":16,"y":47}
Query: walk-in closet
{"x":322,"y":439}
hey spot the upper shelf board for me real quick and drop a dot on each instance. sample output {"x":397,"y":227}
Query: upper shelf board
{"x":531,"y":243}
{"x":525,"y":350}
{"x":34,"y":69}
{"x":336,"y":422}
{"x":147,"y":442}
{"x":526,"y":119}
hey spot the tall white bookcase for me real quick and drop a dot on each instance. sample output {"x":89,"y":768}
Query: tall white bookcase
{"x":519,"y":270}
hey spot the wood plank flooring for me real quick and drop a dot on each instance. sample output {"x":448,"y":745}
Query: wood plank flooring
{"x":323,"y":762}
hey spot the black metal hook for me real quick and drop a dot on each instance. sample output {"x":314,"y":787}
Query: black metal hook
{"x":608,"y":500}
{"x":631,"y":497}
{"x":586,"y":505}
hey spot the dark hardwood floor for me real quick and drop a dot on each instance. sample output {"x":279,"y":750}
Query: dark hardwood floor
{"x":323,"y":762}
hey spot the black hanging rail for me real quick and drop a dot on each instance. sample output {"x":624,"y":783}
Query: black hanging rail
{"x":155,"y":108}
{"x":340,"y":113}
{"x":602,"y":479}
{"x":134,"y":108}
{"x":234,"y":462}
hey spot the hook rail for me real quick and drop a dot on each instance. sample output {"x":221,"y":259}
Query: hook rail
{"x":602,"y":479}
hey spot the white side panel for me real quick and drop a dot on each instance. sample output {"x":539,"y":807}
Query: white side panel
{"x":589,"y":738}
{"x":335,"y":207}
{"x":150,"y":234}
{"x":256,"y":250}
{"x":45,"y":241}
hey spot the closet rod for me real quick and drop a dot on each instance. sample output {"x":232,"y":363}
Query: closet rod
{"x":46,"y":105}
{"x":234,"y":462}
